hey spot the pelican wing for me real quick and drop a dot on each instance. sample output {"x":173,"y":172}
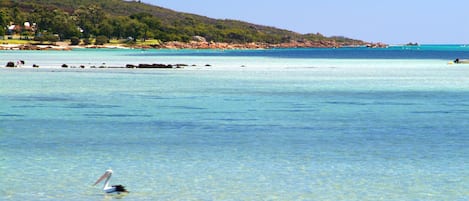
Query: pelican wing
{"x":120,"y":188}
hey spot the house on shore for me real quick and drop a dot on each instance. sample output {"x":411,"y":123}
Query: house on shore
{"x":25,"y":30}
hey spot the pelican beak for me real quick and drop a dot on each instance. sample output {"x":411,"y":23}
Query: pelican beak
{"x":105,"y":175}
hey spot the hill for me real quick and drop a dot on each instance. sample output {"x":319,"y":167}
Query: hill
{"x":130,"y":19}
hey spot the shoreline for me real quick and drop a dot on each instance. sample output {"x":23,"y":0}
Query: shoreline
{"x":63,"y":46}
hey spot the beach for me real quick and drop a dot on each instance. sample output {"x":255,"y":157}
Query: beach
{"x":280,"y":124}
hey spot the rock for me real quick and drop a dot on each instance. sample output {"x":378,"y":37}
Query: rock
{"x":181,"y":65}
{"x":377,"y":45}
{"x":35,"y":66}
{"x":130,"y":66}
{"x":412,"y":44}
{"x":154,"y":66}
{"x":10,"y":64}
{"x":64,"y":66}
{"x":199,"y":39}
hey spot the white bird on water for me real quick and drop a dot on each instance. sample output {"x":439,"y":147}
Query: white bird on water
{"x":110,"y":189}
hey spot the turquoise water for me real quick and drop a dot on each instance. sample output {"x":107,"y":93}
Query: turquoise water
{"x":283,"y":127}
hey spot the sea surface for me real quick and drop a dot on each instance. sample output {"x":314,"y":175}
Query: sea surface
{"x":287,"y":124}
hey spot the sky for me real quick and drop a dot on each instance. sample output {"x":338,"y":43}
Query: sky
{"x":388,"y":21}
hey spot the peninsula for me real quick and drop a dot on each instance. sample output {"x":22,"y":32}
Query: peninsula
{"x":64,"y":24}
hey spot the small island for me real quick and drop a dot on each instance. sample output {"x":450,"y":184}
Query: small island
{"x":412,"y":44}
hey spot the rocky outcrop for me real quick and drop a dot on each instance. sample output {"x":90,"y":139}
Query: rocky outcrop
{"x":161,"y":66}
{"x":199,"y":39}
{"x":376,"y":45}
{"x":255,"y":45}
{"x":33,"y":47}
{"x":199,"y":42}
{"x":154,"y":66}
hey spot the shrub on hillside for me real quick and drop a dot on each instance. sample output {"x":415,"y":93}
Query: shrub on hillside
{"x":74,"y":41}
{"x":86,"y":41}
{"x":101,"y":40}
{"x":46,"y":37}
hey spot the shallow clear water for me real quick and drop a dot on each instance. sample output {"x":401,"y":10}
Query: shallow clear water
{"x":280,"y":128}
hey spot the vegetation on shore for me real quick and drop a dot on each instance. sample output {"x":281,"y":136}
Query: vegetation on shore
{"x":132,"y":21}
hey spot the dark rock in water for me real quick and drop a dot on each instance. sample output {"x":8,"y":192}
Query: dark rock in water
{"x":208,"y":65}
{"x":35,"y":66}
{"x":10,"y":64}
{"x":130,"y":66}
{"x":412,"y":44}
{"x":181,"y":65}
{"x":82,"y":66}
{"x":145,"y":66}
{"x":64,"y":66}
{"x":154,"y":66}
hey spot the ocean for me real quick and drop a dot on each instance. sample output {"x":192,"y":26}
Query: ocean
{"x":284,"y":124}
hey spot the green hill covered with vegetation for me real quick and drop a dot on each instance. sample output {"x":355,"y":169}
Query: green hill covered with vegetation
{"x":131,"y":19}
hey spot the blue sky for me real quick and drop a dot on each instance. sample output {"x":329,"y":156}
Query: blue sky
{"x":389,"y":21}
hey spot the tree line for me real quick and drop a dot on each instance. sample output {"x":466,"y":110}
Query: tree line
{"x":92,"y":21}
{"x":85,"y":22}
{"x":116,"y":19}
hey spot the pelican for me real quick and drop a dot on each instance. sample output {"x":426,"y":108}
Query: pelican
{"x":110,"y":189}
